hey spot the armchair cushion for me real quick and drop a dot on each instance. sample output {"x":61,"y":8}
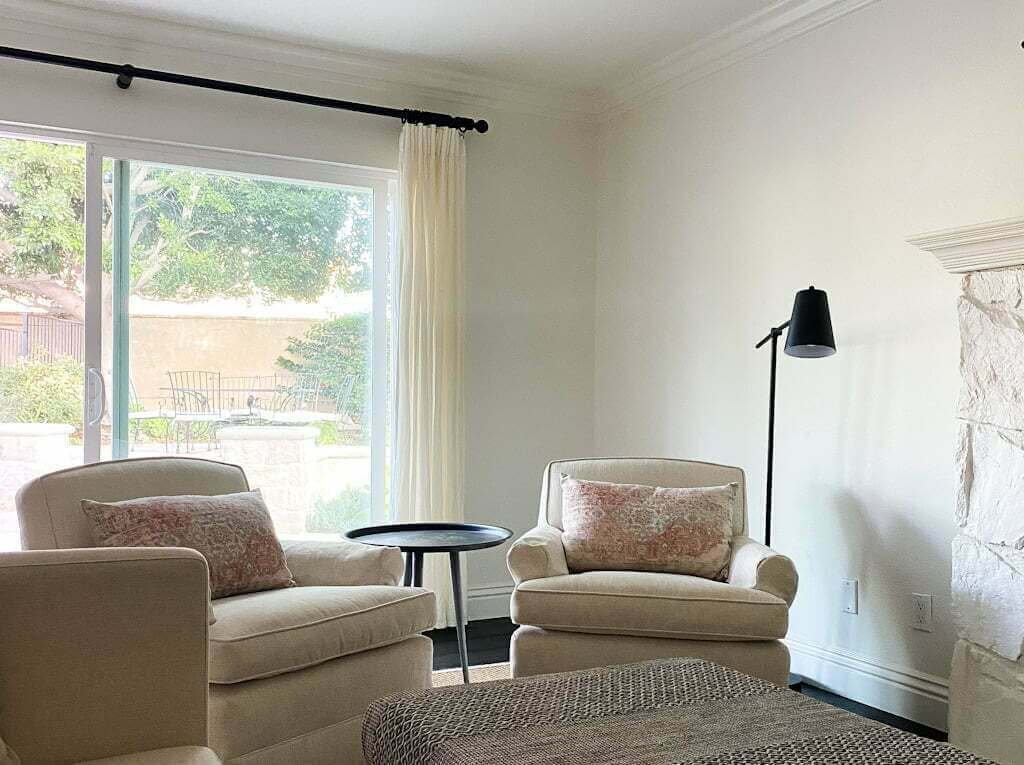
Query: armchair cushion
{"x":537,"y":554}
{"x":761,"y":568}
{"x":261,"y":634}
{"x":341,"y":562}
{"x":649,"y":604}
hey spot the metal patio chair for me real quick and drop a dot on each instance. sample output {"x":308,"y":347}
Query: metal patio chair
{"x":308,"y":400}
{"x":198,"y":406}
{"x":138,"y":415}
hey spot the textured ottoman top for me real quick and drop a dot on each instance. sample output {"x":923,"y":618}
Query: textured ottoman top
{"x":665,"y":712}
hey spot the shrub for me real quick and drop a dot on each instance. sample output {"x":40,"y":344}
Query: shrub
{"x":347,"y":510}
{"x":333,"y":351}
{"x":41,"y":389}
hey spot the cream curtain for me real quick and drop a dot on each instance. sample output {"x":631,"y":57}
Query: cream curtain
{"x":429,"y":430}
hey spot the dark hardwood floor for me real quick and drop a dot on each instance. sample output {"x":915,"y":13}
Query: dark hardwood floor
{"x":487,"y":641}
{"x":488,"y":644}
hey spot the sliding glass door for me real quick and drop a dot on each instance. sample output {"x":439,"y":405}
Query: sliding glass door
{"x":43,"y":352}
{"x":206,"y":305}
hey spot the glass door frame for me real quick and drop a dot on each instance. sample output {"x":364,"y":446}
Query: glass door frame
{"x":99,"y":147}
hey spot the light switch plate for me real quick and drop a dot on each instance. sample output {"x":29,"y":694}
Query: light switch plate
{"x":849,"y":589}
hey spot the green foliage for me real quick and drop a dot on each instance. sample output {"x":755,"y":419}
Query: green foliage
{"x":216,"y":234}
{"x":333,"y":434}
{"x":333,"y":351}
{"x":42,"y":390}
{"x":153,"y":430}
{"x":348,"y":510}
{"x":195,"y":234}
{"x":42,"y":210}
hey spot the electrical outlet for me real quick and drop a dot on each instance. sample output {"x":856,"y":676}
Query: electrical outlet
{"x":922,"y":613}
{"x":849,"y":595}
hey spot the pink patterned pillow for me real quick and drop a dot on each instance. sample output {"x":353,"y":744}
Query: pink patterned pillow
{"x":622,"y":526}
{"x":234,"y":533}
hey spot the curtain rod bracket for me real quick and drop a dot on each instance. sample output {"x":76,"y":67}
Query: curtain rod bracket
{"x":125,"y":77}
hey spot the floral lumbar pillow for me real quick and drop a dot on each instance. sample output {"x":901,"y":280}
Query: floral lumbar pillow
{"x":622,"y":526}
{"x":234,"y":533}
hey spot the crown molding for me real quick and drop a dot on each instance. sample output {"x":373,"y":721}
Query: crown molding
{"x":746,"y":38}
{"x":996,"y":244}
{"x":155,"y":43}
{"x":286,"y":63}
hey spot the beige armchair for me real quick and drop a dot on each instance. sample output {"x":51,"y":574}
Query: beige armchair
{"x":579,"y":620}
{"x":291,"y":671}
{"x":103,"y":654}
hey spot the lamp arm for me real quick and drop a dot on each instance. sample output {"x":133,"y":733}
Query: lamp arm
{"x":775,"y":332}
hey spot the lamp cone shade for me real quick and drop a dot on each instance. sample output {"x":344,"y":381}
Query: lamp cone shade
{"x":810,"y":327}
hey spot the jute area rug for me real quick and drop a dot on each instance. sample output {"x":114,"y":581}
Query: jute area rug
{"x":478,"y":674}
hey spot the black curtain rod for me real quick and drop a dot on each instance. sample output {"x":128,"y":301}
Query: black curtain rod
{"x":126,"y":73}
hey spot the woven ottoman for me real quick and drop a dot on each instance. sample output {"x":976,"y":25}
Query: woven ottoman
{"x":664,"y":712}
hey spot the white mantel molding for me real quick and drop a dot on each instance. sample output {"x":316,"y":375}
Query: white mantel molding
{"x":996,"y":244}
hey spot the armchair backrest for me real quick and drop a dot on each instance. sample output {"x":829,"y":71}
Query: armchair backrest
{"x":50,"y":507}
{"x":647,"y":471}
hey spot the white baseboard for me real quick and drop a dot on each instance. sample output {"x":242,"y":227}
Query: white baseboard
{"x":488,"y":601}
{"x":908,"y":693}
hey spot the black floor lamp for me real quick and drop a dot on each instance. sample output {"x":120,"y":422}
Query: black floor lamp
{"x":810,"y":337}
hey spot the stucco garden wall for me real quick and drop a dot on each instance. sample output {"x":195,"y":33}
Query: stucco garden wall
{"x":235,"y":347}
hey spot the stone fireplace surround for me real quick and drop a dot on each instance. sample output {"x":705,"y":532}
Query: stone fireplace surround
{"x":986,"y":693}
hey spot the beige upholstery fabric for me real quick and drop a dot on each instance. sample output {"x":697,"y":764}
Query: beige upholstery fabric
{"x":179,"y":755}
{"x":574,"y":621}
{"x":651,"y":604}
{"x":8,"y":755}
{"x":536,"y":554}
{"x":50,"y":507}
{"x":341,"y":562}
{"x":261,"y":634}
{"x":761,"y":568}
{"x":309,"y":715}
{"x":536,"y":651}
{"x":337,"y":743}
{"x":302,"y":717}
{"x":647,"y":471}
{"x":102,"y":651}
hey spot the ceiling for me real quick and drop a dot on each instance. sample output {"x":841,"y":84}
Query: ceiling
{"x":578,"y":45}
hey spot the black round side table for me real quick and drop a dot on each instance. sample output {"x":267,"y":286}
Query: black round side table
{"x":417,"y":539}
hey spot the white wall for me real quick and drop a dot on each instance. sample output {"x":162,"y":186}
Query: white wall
{"x":810,"y":164}
{"x":530,"y":241}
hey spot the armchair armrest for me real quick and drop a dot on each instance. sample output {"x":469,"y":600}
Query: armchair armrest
{"x":340,"y":562}
{"x":104,"y":651}
{"x":761,"y":568}
{"x":537,"y":554}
